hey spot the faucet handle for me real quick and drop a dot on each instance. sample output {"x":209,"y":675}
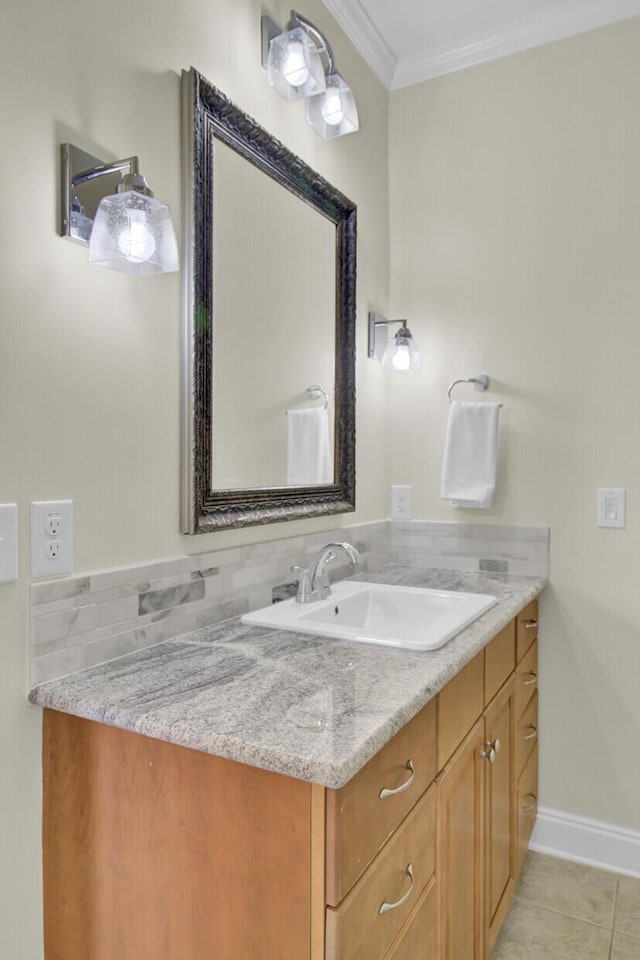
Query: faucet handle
{"x":303,"y":594}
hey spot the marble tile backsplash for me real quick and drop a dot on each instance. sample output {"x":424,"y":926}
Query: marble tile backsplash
{"x":81,"y":621}
{"x":499,"y":548}
{"x":84,"y":620}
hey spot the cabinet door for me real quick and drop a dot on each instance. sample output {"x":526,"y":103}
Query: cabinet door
{"x":500,"y":861}
{"x":460,"y":850}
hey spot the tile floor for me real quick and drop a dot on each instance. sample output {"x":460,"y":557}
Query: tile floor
{"x":567,"y":911}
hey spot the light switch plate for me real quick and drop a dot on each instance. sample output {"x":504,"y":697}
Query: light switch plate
{"x":8,"y":542}
{"x":612,"y":506}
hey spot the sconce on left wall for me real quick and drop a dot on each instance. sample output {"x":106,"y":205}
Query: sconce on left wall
{"x":110,"y":208}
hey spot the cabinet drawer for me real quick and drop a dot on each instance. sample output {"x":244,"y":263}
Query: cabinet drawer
{"x":460,"y":704}
{"x":527,"y":807}
{"x":526,"y":678}
{"x":526,"y":733}
{"x":499,"y":660}
{"x":366,"y":811}
{"x":526,"y":628}
{"x":356,"y":929}
{"x":418,"y":939}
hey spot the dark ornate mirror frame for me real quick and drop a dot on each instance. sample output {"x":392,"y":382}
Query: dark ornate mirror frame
{"x":209,"y":116}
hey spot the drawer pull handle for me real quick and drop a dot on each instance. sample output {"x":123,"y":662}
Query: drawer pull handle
{"x":530,"y":624}
{"x":533,"y":734}
{"x":404,"y":786}
{"x":529,"y":808}
{"x":385,"y":907}
{"x":534,"y":678}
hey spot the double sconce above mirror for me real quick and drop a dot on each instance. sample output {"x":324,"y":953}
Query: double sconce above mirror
{"x":110,"y":208}
{"x":401,"y":354}
{"x":300,"y":66}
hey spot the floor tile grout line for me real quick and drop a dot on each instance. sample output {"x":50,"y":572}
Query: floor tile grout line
{"x":613,"y":918}
{"x":560,"y":913}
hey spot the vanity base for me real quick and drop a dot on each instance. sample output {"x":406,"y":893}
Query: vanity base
{"x":148,"y":846}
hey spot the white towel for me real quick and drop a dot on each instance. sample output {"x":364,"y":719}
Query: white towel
{"x":470,"y":455}
{"x":309,"y":459}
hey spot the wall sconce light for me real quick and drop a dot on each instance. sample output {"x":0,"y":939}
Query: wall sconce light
{"x":401,"y":354}
{"x":110,"y":208}
{"x":300,"y":65}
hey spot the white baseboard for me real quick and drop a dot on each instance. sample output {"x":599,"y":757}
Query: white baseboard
{"x":592,"y":842}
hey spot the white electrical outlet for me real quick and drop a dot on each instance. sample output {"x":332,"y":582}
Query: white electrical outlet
{"x":51,"y":538}
{"x":400,"y":502}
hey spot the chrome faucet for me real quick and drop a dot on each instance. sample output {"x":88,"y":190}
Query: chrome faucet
{"x":313,"y":583}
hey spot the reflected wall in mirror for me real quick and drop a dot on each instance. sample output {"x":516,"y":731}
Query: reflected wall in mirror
{"x":274,"y":335}
{"x":269,"y":255}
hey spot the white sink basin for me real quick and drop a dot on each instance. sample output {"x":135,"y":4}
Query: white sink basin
{"x":414,"y":618}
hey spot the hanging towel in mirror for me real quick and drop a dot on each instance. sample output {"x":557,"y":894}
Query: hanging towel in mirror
{"x":308,"y":450}
{"x":470,"y":455}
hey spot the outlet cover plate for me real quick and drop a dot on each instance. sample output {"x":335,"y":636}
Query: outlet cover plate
{"x":400,"y":502}
{"x":43,"y":565}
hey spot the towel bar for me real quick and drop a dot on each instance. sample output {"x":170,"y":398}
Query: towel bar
{"x":314,"y":392}
{"x":481,"y":381}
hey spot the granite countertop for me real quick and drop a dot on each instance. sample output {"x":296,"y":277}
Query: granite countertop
{"x":309,"y":707}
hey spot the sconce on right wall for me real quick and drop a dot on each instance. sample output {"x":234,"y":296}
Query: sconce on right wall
{"x":401,"y":354}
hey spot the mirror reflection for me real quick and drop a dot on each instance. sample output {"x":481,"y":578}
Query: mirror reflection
{"x":274,"y":297}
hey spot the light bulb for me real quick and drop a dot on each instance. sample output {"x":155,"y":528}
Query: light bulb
{"x":135,"y":241}
{"x":332,"y":111}
{"x":294,"y":66}
{"x":402,"y":357}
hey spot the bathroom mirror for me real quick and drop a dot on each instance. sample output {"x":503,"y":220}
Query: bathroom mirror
{"x":269,"y":265}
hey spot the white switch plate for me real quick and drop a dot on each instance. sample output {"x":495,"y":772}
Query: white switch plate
{"x":8,"y":542}
{"x":51,"y":538}
{"x":612,"y":506}
{"x":400,"y":502}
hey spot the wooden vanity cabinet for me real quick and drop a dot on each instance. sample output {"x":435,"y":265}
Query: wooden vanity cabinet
{"x":155,"y":850}
{"x":487,"y":790}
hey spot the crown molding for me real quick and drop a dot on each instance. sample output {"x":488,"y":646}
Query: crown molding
{"x":514,"y":38}
{"x":365,"y":37}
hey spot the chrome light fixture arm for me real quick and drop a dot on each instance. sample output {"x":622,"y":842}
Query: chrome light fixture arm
{"x":323,"y":45}
{"x":77,"y":168}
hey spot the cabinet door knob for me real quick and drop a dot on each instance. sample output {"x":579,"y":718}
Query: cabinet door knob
{"x":534,"y":678}
{"x":533,"y":734}
{"x":489,"y":754}
{"x":385,"y":907}
{"x":528,"y":808}
{"x":404,"y":786}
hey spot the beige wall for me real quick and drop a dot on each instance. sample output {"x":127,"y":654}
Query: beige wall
{"x":515,"y":242}
{"x":89,"y":389}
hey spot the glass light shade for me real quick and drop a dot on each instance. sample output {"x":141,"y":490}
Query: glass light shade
{"x":402,"y":354}
{"x":294,"y":67}
{"x":333,"y":113}
{"x":134,"y":233}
